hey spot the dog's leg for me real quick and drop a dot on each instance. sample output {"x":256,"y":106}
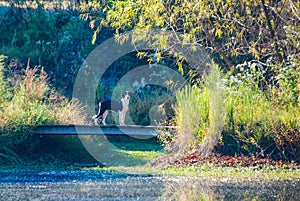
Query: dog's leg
{"x":120,"y":118}
{"x":123,"y":114}
{"x":96,"y":120}
{"x":96,"y":117}
{"x":123,"y":117}
{"x":104,"y":117}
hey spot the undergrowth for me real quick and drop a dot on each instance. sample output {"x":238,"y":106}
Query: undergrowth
{"x":26,"y":102}
{"x":247,"y":114}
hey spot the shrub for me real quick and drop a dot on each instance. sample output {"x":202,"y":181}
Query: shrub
{"x":247,"y":116}
{"x":258,"y":119}
{"x":192,"y":116}
{"x":200,"y":113}
{"x":149,"y":105}
{"x":57,"y":39}
{"x":31,"y":103}
{"x":4,"y":89}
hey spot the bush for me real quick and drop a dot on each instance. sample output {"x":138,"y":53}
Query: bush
{"x":200,"y":113}
{"x":242,"y":114}
{"x":30,"y":103}
{"x":57,"y":39}
{"x":149,"y":105}
{"x":258,"y":119}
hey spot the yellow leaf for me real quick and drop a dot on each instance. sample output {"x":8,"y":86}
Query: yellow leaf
{"x":180,"y":68}
{"x":218,"y":33}
{"x":234,"y":53}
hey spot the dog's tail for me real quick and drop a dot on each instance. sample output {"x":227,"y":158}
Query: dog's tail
{"x":97,"y":115}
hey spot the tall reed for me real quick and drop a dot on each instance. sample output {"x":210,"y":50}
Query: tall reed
{"x":200,"y":114}
{"x":235,"y":115}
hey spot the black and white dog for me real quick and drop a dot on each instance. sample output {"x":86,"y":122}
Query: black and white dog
{"x":120,"y":106}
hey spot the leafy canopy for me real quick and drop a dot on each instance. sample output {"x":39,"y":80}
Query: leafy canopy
{"x":231,"y":30}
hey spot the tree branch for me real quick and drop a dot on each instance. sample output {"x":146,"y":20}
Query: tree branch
{"x":273,"y":35}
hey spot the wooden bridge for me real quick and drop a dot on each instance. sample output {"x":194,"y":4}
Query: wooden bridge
{"x":132,"y":130}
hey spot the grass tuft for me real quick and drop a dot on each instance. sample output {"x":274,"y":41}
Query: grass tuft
{"x":200,"y":114}
{"x":239,"y":115}
{"x":28,"y":102}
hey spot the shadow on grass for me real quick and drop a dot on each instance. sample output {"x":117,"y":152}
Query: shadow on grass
{"x":99,"y":150}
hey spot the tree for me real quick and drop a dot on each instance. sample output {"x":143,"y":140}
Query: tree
{"x":232,"y":30}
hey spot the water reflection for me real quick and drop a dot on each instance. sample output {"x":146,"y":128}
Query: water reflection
{"x":187,"y":189}
{"x":100,"y":185}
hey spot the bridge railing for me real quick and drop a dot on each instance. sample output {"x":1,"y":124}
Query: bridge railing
{"x":131,"y":130}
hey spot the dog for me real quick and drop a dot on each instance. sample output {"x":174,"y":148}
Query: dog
{"x":120,"y":106}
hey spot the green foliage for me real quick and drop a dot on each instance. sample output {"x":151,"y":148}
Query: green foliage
{"x":261,"y":121}
{"x":149,"y":106}
{"x":200,"y":113}
{"x":257,"y":122}
{"x":192,"y":116}
{"x":58,"y":40}
{"x":257,"y":112}
{"x":247,"y":116}
{"x":234,"y":30}
{"x":287,"y":83}
{"x":30,"y":104}
{"x":4,"y":92}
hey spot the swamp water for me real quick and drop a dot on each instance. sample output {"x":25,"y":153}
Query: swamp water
{"x":104,"y":185}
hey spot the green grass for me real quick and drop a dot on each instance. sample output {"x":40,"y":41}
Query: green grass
{"x":236,"y":116}
{"x":210,"y":172}
{"x":122,"y":150}
{"x":205,"y":172}
{"x":68,"y":152}
{"x":200,"y":113}
{"x":24,"y":104}
{"x":134,"y":158}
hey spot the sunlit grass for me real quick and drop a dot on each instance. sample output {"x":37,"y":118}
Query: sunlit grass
{"x":258,"y":124}
{"x":122,"y":150}
{"x":26,"y":103}
{"x":200,"y":113}
{"x":251,"y":119}
{"x":142,"y":156}
{"x":211,"y":172}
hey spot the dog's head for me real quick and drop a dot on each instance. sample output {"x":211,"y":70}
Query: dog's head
{"x":126,"y":95}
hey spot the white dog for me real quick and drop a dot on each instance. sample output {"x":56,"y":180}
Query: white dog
{"x":120,"y":106}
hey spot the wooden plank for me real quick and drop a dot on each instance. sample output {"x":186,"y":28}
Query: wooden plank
{"x":132,"y":130}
